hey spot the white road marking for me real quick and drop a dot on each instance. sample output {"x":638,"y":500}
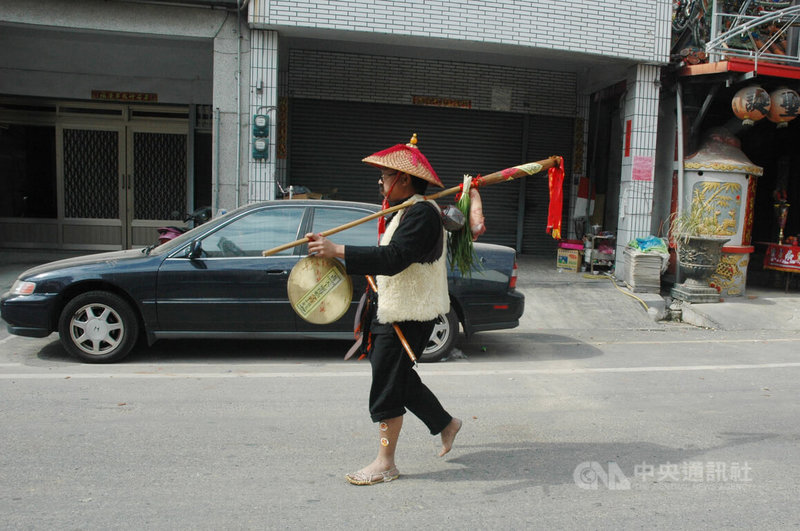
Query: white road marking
{"x":6,"y":339}
{"x":701,"y":341}
{"x":365,"y":373}
{"x":486,"y":340}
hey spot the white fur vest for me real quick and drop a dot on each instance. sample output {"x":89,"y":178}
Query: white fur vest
{"x":417,"y":293}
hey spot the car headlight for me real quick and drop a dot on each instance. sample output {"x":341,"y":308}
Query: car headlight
{"x":22,"y":287}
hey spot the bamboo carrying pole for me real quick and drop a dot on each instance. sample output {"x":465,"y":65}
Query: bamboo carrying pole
{"x":508,"y":174}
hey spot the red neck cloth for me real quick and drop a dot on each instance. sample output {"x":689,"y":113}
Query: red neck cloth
{"x":384,"y":206}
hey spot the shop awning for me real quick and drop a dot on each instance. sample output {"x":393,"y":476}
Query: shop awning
{"x":742,"y":66}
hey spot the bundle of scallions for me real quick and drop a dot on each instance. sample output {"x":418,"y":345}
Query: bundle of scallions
{"x":460,"y":250}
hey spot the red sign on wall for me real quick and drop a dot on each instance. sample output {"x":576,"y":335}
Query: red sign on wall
{"x":436,"y":101}
{"x":642,"y":169}
{"x":628,"y":129}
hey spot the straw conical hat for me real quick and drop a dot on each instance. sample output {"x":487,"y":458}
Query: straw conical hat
{"x":406,"y":158}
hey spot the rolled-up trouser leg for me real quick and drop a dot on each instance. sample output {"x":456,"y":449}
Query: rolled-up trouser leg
{"x":395,"y":384}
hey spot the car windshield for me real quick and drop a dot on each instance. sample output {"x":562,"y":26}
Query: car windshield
{"x":253,"y":231}
{"x":167,"y":247}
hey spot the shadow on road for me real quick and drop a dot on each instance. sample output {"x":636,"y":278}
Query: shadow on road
{"x":549,"y":464}
{"x":523,"y":347}
{"x":219,"y":351}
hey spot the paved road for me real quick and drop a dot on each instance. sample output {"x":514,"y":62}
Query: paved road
{"x":676,"y":428}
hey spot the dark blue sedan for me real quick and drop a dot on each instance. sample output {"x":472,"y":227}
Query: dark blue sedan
{"x":214,"y":282}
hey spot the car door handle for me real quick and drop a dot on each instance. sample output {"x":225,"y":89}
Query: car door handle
{"x":277,"y":272}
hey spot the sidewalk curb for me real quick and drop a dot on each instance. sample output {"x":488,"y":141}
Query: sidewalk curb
{"x":690,"y":315}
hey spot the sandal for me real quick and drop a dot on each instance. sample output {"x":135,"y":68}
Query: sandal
{"x":362,"y":478}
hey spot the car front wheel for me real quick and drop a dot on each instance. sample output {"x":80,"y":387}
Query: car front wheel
{"x":98,"y":327}
{"x":445,"y":330}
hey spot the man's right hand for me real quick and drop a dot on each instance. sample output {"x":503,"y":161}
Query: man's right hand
{"x":318,"y":245}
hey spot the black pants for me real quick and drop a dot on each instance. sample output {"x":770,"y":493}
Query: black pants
{"x":395,"y":384}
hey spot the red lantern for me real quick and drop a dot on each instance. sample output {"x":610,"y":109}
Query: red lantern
{"x":751,"y":104}
{"x":784,"y":106}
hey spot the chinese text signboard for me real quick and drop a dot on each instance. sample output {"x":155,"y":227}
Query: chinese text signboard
{"x":435,"y":101}
{"x":116,"y":95}
{"x":782,"y":258}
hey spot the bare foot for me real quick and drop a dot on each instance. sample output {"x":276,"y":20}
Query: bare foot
{"x":449,"y":435}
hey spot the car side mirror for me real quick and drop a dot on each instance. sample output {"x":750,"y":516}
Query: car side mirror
{"x":195,"y":249}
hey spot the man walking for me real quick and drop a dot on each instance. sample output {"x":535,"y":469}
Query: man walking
{"x":411,"y":268}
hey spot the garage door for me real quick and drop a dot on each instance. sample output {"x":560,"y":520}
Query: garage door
{"x":547,"y":135}
{"x":328,"y":139}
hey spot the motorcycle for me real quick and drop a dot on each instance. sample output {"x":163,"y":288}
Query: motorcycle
{"x":197,"y":218}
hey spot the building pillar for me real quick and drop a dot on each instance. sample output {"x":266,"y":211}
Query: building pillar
{"x":263,"y":100}
{"x":231,"y":114}
{"x":640,"y":127}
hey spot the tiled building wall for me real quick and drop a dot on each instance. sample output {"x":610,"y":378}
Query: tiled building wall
{"x":620,"y":28}
{"x":638,"y":30}
{"x":638,"y":158}
{"x":263,"y":100}
{"x":396,"y":80}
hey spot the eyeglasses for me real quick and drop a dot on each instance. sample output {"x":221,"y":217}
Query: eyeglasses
{"x":388,"y":174}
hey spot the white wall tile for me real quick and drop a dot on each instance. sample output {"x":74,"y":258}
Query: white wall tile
{"x":635,"y":29}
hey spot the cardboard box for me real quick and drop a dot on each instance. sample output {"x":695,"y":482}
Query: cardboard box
{"x":569,"y":259}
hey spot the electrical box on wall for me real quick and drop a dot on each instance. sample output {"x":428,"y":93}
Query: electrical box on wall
{"x":261,"y":125}
{"x":260,"y":148}
{"x":261,"y":134}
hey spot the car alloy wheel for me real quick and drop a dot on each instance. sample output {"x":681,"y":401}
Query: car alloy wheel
{"x":445,"y":330}
{"x":98,"y":327}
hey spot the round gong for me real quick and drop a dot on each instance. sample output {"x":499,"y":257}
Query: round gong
{"x":319,"y":289}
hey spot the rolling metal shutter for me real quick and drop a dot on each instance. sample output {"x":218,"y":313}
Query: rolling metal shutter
{"x":547,"y":135}
{"x":328,"y":139}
